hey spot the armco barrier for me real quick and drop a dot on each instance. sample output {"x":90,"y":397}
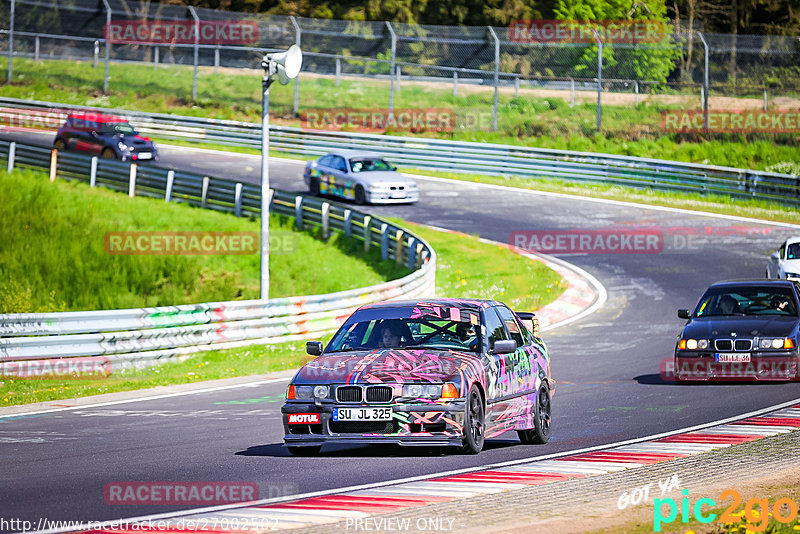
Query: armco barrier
{"x":438,"y":154}
{"x":138,"y":336}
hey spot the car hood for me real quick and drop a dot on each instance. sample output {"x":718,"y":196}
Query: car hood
{"x":396,"y":366}
{"x":793,"y":266}
{"x":742,"y":326}
{"x":377,"y":177}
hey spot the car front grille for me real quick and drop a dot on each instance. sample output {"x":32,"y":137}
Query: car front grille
{"x":379,"y":393}
{"x":349,"y":394}
{"x":733,"y":344}
{"x":363,"y":427}
{"x":723,"y":344}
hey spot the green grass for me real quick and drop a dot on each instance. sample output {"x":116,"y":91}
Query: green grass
{"x":528,"y":120}
{"x":466,"y":268}
{"x":53,"y":256}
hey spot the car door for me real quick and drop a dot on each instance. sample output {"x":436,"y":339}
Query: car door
{"x":521,"y":365}
{"x":341,"y":183}
{"x":498,"y":381}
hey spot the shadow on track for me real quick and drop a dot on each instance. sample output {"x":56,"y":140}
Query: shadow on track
{"x":277,"y":450}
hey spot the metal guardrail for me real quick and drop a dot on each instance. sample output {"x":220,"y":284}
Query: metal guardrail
{"x":452,"y":156}
{"x":137,"y":336}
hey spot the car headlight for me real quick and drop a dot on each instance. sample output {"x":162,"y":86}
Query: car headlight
{"x":693,"y":344}
{"x":776,"y":343}
{"x":792,"y":275}
{"x":423,"y":391}
{"x":122,"y":146}
{"x":311,"y":392}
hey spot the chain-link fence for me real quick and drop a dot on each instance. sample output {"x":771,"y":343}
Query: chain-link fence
{"x":381,"y":76}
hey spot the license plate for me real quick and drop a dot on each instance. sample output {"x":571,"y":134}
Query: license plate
{"x":362,"y":414}
{"x":145,"y":155}
{"x":397,"y":194}
{"x":742,"y":357}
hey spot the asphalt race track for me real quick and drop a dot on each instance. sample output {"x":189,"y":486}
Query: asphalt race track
{"x":606,"y":365}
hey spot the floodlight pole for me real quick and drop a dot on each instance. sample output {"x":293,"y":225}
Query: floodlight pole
{"x":265,"y":196}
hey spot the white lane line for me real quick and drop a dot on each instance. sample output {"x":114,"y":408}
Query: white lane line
{"x":750,"y":430}
{"x":677,"y":448}
{"x":150,"y":397}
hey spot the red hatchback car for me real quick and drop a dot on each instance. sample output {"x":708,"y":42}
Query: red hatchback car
{"x":109,"y":136}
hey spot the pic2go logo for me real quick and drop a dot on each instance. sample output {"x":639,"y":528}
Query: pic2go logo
{"x":756,"y":511}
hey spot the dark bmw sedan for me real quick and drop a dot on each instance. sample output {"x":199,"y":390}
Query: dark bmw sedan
{"x":437,"y":372}
{"x":741,"y":330}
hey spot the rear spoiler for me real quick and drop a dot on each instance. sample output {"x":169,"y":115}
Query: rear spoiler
{"x":530,"y":316}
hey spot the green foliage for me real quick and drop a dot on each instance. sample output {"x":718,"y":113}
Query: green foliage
{"x":53,"y":256}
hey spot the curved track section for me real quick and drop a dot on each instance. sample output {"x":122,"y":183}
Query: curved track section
{"x":607,"y":366}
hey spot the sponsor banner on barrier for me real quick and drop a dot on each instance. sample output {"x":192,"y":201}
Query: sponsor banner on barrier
{"x":231,"y":32}
{"x":721,"y":121}
{"x":583,"y":31}
{"x":91,"y":367}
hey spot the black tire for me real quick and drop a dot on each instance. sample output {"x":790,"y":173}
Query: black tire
{"x":361,"y":195}
{"x":60,"y":145}
{"x":313,"y":186}
{"x":304,"y":451}
{"x":542,"y":419}
{"x":474,"y":415}
{"x":108,"y":154}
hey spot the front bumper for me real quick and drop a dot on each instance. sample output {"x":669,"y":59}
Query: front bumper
{"x":418,"y":424}
{"x":387,"y":197}
{"x":763,"y":366}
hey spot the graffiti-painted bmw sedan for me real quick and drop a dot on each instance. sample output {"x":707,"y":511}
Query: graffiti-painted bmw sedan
{"x":364,"y":177}
{"x":438,"y":372}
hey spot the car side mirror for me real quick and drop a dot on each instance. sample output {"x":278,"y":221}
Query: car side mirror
{"x":683,"y":314}
{"x":314,"y":348}
{"x":95,"y":134}
{"x":504,"y":346}
{"x":775,"y":256}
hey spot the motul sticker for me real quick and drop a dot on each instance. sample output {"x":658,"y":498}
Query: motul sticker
{"x":303,"y":418}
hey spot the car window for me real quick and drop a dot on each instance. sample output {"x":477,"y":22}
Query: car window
{"x":495,"y":330}
{"x":113,"y":128}
{"x":402,"y":328}
{"x":793,"y":251}
{"x":339,"y":164}
{"x":513,"y":327}
{"x":326,"y":160}
{"x":747,"y":300}
{"x":369,"y":164}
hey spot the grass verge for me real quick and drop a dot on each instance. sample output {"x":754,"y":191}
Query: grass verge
{"x":53,"y":255}
{"x":466,"y":268}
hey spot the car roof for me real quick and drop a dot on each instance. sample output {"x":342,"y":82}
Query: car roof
{"x":97,"y":117}
{"x":792,"y":240}
{"x":443,"y":302}
{"x":355,"y":154}
{"x":765,"y":282}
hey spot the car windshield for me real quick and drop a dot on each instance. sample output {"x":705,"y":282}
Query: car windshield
{"x":747,"y":301}
{"x":369,"y":164}
{"x":117,"y":128}
{"x":793,"y":251}
{"x":412,"y":328}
